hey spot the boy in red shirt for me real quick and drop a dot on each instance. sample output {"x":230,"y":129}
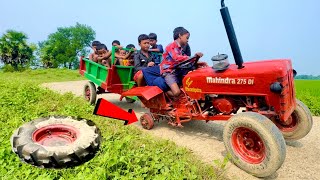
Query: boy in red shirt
{"x":173,"y":55}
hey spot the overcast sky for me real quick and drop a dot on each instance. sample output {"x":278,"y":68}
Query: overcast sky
{"x":270,"y":29}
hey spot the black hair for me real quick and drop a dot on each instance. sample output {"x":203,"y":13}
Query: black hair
{"x":129,"y":46}
{"x":116,"y":42}
{"x":179,"y":31}
{"x":95,"y":43}
{"x":101,"y":46}
{"x":142,"y":37}
{"x":153,"y":36}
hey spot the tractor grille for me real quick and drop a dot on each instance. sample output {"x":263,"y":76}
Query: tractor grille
{"x":287,"y":100}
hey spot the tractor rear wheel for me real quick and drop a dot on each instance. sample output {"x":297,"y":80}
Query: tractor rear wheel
{"x":90,"y":92}
{"x":255,"y":144}
{"x":56,"y":142}
{"x":300,"y":123}
{"x":147,"y":121}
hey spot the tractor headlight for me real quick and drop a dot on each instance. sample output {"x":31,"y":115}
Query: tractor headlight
{"x":276,"y":87}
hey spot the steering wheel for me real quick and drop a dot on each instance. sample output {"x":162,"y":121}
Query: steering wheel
{"x":189,"y":63}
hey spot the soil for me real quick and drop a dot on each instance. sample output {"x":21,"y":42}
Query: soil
{"x":205,"y":140}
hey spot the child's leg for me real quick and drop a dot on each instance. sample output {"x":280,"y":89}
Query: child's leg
{"x":140,"y":80}
{"x":172,"y":82}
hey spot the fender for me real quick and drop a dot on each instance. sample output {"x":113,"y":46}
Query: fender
{"x":150,"y":96}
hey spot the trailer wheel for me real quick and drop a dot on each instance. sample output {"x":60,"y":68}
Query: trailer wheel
{"x":56,"y":142}
{"x":90,"y":92}
{"x":147,"y":121}
{"x":129,"y":100}
{"x":255,"y":144}
{"x":299,"y":123}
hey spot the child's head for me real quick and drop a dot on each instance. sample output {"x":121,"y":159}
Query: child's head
{"x":181,"y":35}
{"x":94,"y":45}
{"x":144,"y":42}
{"x":115,"y":43}
{"x":101,"y":49}
{"x":122,"y":52}
{"x":129,"y":46}
{"x":153,"y":39}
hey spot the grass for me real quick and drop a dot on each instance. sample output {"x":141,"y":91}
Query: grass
{"x":125,"y":153}
{"x":43,"y":75}
{"x":308,"y":91}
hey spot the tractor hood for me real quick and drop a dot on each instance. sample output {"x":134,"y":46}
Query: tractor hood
{"x":255,"y":78}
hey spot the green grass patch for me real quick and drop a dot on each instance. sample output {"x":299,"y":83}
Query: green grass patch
{"x":43,"y":75}
{"x":125,"y":153}
{"x":308,"y":91}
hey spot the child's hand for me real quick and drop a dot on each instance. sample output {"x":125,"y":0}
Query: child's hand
{"x":199,"y":54}
{"x":151,"y":64}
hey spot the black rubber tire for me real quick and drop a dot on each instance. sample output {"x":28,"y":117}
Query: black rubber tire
{"x":304,"y":123}
{"x":147,"y":121}
{"x":274,"y":143}
{"x":76,"y":153}
{"x":93,"y":92}
{"x":129,"y":100}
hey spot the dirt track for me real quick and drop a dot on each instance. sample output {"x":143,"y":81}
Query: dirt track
{"x":205,"y":140}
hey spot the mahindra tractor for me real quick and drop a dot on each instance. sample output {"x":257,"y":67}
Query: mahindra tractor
{"x":257,"y":99}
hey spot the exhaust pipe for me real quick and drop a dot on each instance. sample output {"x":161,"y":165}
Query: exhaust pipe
{"x":231,"y":35}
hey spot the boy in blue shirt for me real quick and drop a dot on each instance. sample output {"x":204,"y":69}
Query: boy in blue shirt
{"x":155,"y":48}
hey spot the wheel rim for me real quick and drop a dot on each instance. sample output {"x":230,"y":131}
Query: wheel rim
{"x":87,"y":93}
{"x":55,"y":135}
{"x":290,"y":125}
{"x":146,"y":121}
{"x":248,"y":145}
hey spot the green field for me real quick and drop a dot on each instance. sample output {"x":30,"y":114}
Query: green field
{"x":125,"y":153}
{"x":308,"y":91}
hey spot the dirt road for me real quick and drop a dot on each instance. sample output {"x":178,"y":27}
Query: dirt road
{"x":205,"y":140}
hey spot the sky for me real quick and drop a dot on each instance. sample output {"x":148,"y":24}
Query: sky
{"x":269,"y":29}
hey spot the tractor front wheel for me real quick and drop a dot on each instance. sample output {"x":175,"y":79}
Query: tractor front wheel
{"x":147,"y":121}
{"x":255,"y":144}
{"x":90,"y":92}
{"x":299,"y":123}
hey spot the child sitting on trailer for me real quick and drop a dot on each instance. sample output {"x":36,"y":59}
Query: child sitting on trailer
{"x":94,"y":54}
{"x":104,"y":56}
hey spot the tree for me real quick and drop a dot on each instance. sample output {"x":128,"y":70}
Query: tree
{"x":63,"y":47}
{"x":14,"y":49}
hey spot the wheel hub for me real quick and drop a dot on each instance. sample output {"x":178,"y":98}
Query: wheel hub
{"x":248,"y":145}
{"x":55,"y":135}
{"x":88,"y":93}
{"x":289,"y":125}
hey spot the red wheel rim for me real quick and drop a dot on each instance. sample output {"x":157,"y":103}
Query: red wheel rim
{"x":55,"y":135}
{"x":289,"y":125}
{"x":248,"y":145}
{"x":88,"y":93}
{"x":146,"y":121}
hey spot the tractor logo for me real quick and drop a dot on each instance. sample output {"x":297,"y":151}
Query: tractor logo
{"x":188,"y":82}
{"x":188,"y":89}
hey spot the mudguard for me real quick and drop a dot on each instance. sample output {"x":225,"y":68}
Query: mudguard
{"x":150,"y":96}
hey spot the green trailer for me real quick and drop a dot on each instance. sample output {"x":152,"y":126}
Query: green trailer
{"x":116,"y":79}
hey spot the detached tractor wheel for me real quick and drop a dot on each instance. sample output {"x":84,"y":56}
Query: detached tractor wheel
{"x":255,"y":144}
{"x":56,"y":142}
{"x":299,"y":123}
{"x":129,"y":100}
{"x":90,"y":92}
{"x":147,"y":121}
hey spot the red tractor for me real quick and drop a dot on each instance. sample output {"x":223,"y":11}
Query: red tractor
{"x":262,"y":91}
